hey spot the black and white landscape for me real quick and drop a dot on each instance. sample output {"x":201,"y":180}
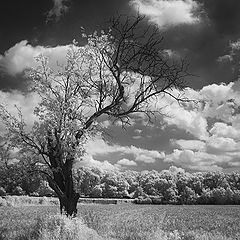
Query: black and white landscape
{"x":130,"y":99}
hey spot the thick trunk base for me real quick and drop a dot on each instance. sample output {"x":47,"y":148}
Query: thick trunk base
{"x":68,"y":206}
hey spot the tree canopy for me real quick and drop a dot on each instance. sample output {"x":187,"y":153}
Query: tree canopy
{"x":118,"y":73}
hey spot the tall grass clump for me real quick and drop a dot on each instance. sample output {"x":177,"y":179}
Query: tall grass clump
{"x":61,"y":227}
{"x":3,"y":202}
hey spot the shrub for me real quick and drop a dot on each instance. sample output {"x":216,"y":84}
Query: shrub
{"x":45,"y":190}
{"x":96,"y":191}
{"x":156,"y":199}
{"x":2,"y":192}
{"x":141,"y":200}
{"x":18,"y":191}
{"x":34,"y":194}
{"x":61,"y":227}
{"x":3,"y":202}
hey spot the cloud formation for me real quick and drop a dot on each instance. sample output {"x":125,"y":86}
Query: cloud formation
{"x":167,"y":13}
{"x":218,"y":148}
{"x":126,"y":162}
{"x":189,"y":144}
{"x":89,"y":161}
{"x":197,"y":161}
{"x":59,"y":8}
{"x":26,"y":103}
{"x":22,"y":56}
{"x":98,"y":146}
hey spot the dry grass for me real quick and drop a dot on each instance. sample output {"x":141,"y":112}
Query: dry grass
{"x":164,"y":222}
{"x":121,"y":222}
{"x":26,"y":200}
{"x":60,"y":227}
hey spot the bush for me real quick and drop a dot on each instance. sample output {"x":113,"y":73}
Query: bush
{"x":156,"y":200}
{"x":34,"y":194}
{"x":61,"y":227}
{"x":45,"y":190}
{"x":96,"y":192}
{"x":3,"y":202}
{"x":18,"y":191}
{"x":2,"y":192}
{"x":141,"y":200}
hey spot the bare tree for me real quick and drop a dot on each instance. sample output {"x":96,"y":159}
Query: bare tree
{"x":119,"y":73}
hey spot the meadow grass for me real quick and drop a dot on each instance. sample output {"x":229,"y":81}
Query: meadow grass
{"x":123,"y":222}
{"x":26,"y":200}
{"x":164,"y":221}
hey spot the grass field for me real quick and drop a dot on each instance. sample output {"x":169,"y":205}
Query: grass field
{"x":130,"y":222}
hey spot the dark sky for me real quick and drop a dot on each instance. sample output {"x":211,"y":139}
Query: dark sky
{"x":202,"y":43}
{"x":200,"y":30}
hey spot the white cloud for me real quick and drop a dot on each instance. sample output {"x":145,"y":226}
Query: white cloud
{"x":167,"y":13}
{"x":221,"y":129}
{"x":59,"y":9}
{"x":225,"y":58}
{"x":186,"y":116}
{"x":191,"y":121}
{"x":98,"y":146}
{"x":189,"y":144}
{"x":89,"y":161}
{"x":21,"y":57}
{"x":217,"y":92}
{"x":174,"y":169}
{"x":214,"y":102}
{"x":220,"y":101}
{"x":138,"y":131}
{"x":26,"y":103}
{"x":222,"y":144}
{"x":137,"y":137}
{"x":126,"y":162}
{"x":235,"y":45}
{"x":199,"y":161}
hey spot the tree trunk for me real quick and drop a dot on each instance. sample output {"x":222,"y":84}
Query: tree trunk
{"x":62,"y":184}
{"x":68,"y":205}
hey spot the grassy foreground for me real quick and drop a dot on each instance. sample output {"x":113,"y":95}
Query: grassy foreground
{"x":123,"y":221}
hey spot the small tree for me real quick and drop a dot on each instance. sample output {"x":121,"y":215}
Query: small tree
{"x":117,"y":74}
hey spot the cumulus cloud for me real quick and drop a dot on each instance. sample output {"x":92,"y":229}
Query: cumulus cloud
{"x":224,"y":59}
{"x":198,"y":161}
{"x":185,"y":117}
{"x":167,"y":13}
{"x":221,"y":129}
{"x":191,"y":121}
{"x":221,"y":144}
{"x":232,"y":56}
{"x":26,"y":103}
{"x":217,"y":92}
{"x":21,"y":57}
{"x":174,"y":169}
{"x":220,"y":101}
{"x":137,"y":137}
{"x":189,"y":144}
{"x":59,"y":8}
{"x":217,"y":128}
{"x":138,"y":131}
{"x":126,"y":162}
{"x":216,"y":102}
{"x":99,"y":147}
{"x":89,"y":161}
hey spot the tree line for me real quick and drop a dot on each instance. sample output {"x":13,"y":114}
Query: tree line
{"x":165,"y":187}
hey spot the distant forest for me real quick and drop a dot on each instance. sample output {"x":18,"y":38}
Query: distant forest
{"x":165,"y":187}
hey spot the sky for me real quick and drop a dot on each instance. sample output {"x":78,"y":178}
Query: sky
{"x":199,"y":137}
